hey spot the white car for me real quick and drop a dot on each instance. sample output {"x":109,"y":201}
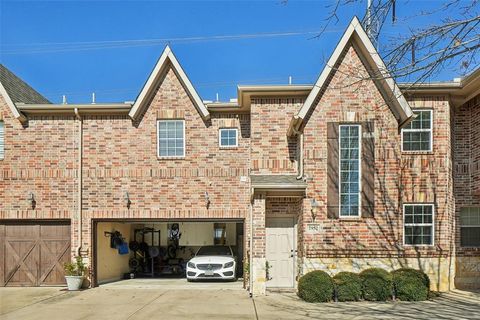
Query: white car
{"x":212,"y":262}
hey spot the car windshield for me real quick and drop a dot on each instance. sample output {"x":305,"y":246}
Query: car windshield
{"x":214,"y":251}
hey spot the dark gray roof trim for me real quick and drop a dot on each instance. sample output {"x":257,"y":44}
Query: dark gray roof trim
{"x":18,"y":90}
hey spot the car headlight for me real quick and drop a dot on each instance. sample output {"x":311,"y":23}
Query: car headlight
{"x":191,"y":265}
{"x":228,"y":264}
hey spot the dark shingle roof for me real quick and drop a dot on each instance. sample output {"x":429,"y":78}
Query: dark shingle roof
{"x":18,"y":90}
{"x":277,"y":180}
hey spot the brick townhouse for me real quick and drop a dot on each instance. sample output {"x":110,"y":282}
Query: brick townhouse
{"x":351,"y":172}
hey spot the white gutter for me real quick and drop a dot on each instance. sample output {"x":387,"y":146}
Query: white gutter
{"x":79,"y":193}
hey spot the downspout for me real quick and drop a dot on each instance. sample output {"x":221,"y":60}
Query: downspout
{"x":250,"y":287}
{"x":79,"y":186}
{"x":300,"y":156}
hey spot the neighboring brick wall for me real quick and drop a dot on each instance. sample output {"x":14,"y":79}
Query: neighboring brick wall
{"x":467,"y":164}
{"x":467,"y":186}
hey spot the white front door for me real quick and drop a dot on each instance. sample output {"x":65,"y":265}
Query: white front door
{"x":280,"y":252}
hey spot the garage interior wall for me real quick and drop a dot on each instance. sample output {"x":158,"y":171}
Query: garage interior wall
{"x":111,"y":266}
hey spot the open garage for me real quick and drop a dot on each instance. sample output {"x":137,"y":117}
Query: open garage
{"x":159,"y":249}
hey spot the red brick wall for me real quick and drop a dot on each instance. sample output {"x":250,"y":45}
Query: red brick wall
{"x":122,"y":157}
{"x":467,"y":164}
{"x":40,"y":158}
{"x":272,"y":151}
{"x":398,"y":177}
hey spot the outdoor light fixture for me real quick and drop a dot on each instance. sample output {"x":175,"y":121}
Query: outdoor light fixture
{"x":126,"y":198}
{"x":207,"y":199}
{"x":31,"y":200}
{"x":314,"y":209}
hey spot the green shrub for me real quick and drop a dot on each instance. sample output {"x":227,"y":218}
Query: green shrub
{"x":316,"y":286}
{"x":410,"y":284}
{"x":348,"y":286}
{"x":376,"y":284}
{"x":77,"y":268}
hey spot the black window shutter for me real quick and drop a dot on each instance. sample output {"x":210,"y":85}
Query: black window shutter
{"x":332,"y":171}
{"x":368,"y":169}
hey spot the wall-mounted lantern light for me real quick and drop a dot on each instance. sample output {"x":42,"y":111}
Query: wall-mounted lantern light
{"x":126,"y":199}
{"x":314,"y":209}
{"x":31,"y":200}
{"x":207,"y":200}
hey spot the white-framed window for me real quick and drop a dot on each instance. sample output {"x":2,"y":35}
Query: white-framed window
{"x":2,"y":140}
{"x":470,"y":227}
{"x":171,"y":138}
{"x":350,"y":170}
{"x":418,"y":224}
{"x":418,"y":135}
{"x":228,"y":137}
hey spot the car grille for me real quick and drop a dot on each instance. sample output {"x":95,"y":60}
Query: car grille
{"x":209,"y":266}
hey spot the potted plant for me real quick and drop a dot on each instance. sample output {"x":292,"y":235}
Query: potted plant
{"x":74,"y":273}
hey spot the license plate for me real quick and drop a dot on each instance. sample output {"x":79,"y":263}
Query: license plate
{"x":209,"y":272}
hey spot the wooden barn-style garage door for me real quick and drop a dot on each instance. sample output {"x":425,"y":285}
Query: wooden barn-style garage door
{"x":33,"y":253}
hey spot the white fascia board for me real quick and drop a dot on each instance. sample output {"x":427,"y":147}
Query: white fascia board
{"x":355,"y":27}
{"x":167,"y":56}
{"x":11,"y":105}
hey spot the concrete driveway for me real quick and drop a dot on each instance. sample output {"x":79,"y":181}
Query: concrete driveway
{"x":177,"y":299}
{"x":130,"y":299}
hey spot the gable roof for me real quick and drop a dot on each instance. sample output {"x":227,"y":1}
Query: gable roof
{"x":167,"y":59}
{"x":389,"y":88}
{"x":14,"y":90}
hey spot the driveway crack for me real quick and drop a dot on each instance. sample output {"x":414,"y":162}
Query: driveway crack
{"x":145,"y":305}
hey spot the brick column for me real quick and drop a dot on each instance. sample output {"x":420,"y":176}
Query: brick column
{"x":258,"y":255}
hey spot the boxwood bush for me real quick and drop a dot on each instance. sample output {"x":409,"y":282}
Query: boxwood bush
{"x":410,"y":284}
{"x":348,"y":286}
{"x":316,"y":286}
{"x":376,"y":284}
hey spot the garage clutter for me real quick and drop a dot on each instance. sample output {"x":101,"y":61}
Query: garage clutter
{"x":157,"y":249}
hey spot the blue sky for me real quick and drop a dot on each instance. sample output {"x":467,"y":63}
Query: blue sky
{"x":33,"y":36}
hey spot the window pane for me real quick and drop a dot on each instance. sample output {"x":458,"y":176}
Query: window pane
{"x":171,"y":138}
{"x":470,"y":236}
{"x":418,"y":224}
{"x":349,"y":141}
{"x":416,"y":135}
{"x":470,"y":217}
{"x":228,"y":137}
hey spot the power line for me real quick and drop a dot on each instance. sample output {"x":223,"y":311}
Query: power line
{"x":114,"y":44}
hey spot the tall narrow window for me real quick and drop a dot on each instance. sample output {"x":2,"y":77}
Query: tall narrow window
{"x":470,"y":227}
{"x":418,"y":224}
{"x":171,"y":138}
{"x":417,"y":135}
{"x":2,"y":140}
{"x":349,"y":140}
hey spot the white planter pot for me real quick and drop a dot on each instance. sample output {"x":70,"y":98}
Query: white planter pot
{"x":74,"y":283}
